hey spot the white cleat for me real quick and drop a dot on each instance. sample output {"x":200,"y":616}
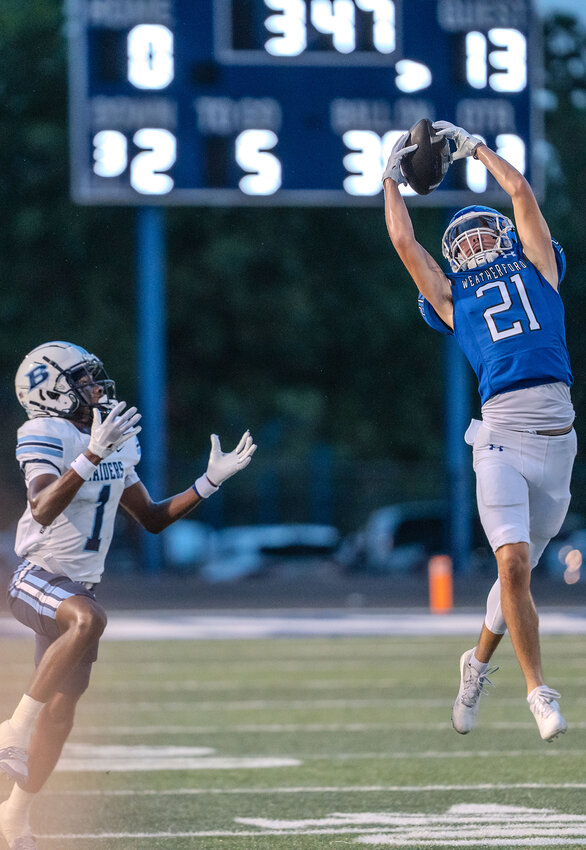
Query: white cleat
{"x":13,"y":756}
{"x":25,"y":842}
{"x":13,"y":833}
{"x":545,"y":708}
{"x":465,"y":710}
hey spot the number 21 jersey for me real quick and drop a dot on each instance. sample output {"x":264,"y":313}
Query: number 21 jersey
{"x":509,"y":322}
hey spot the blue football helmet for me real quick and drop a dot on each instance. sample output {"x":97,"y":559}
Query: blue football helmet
{"x":464,"y":244}
{"x":55,"y":378}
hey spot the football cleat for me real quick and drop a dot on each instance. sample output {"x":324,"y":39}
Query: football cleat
{"x":545,"y":708}
{"x":465,"y":710}
{"x":17,"y":835}
{"x":25,"y":842}
{"x":13,"y":757}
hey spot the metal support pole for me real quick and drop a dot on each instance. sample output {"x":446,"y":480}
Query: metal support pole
{"x":458,"y":460}
{"x":151,"y":273}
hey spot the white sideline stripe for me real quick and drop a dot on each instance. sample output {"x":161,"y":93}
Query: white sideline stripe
{"x":185,"y":625}
{"x":323,"y":789}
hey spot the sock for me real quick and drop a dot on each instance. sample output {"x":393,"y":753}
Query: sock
{"x":479,"y":666}
{"x":25,"y":716}
{"x":14,"y":814}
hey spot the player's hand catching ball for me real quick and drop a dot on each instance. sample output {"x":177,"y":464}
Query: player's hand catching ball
{"x":466,"y":143}
{"x":398,"y":151}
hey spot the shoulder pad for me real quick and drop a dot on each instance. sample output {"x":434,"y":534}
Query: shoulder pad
{"x":431,"y":317}
{"x":51,"y":425}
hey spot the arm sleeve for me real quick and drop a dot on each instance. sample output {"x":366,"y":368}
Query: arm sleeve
{"x":431,"y":317}
{"x":560,"y":259}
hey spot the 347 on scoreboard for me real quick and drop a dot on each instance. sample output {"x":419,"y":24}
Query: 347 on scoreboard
{"x":228,"y":102}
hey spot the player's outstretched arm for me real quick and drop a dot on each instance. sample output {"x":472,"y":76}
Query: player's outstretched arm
{"x":156,"y":516}
{"x":529,"y":221}
{"x":426,"y":273}
{"x":531,"y":225}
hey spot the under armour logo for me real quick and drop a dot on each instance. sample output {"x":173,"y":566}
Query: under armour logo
{"x":37,"y":376}
{"x":492,"y":446}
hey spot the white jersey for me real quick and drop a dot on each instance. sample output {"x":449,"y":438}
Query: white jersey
{"x":77,"y":542}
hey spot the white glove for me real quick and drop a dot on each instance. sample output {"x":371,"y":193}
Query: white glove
{"x":398,"y":151}
{"x":117,"y":427}
{"x":222,"y":466}
{"x":466,"y":144}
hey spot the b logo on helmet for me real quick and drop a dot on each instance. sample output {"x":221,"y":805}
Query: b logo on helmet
{"x":37,"y":376}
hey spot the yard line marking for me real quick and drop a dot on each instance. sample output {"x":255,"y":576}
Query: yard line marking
{"x":279,"y":728}
{"x":321,"y":789}
{"x":506,"y":842}
{"x":463,"y":824}
{"x":88,"y":758}
{"x":287,"y":705}
{"x":442,"y":754}
{"x":308,"y":684}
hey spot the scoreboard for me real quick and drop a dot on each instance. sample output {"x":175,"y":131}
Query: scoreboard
{"x":291,"y":102}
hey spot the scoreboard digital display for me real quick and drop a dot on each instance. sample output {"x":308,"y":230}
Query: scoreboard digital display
{"x":290,"y":102}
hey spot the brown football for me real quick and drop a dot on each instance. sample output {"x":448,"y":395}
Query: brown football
{"x":426,"y":167}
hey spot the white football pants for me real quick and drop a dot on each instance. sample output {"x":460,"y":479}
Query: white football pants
{"x":523,"y":493}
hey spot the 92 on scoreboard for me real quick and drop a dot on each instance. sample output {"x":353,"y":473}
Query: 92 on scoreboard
{"x":235,"y":102}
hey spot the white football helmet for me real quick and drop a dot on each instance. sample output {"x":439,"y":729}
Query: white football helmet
{"x":476,"y":236}
{"x":53,"y":380}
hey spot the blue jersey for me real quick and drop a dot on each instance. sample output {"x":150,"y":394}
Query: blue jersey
{"x":509,"y":322}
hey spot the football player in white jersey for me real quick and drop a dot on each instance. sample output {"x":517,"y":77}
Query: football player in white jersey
{"x":500,"y":299}
{"x":78,"y":452}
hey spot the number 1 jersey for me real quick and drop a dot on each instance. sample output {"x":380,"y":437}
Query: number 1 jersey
{"x":509,"y":322}
{"x":77,"y":542}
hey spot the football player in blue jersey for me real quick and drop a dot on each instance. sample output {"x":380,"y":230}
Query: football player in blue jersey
{"x":500,"y":299}
{"x":78,"y":452}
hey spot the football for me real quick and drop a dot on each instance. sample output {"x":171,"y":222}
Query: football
{"x":426,"y":167}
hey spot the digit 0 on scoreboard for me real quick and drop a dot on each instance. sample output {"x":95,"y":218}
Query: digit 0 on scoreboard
{"x":235,"y":102}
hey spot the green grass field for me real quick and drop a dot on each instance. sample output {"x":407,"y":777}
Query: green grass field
{"x":291,"y":744}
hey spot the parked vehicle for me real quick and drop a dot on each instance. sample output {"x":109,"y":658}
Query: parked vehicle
{"x":187,"y":544}
{"x":402,"y":537}
{"x":242,"y":551}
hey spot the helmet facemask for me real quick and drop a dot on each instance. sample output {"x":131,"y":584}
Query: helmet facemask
{"x":477,"y":238}
{"x":81,"y":381}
